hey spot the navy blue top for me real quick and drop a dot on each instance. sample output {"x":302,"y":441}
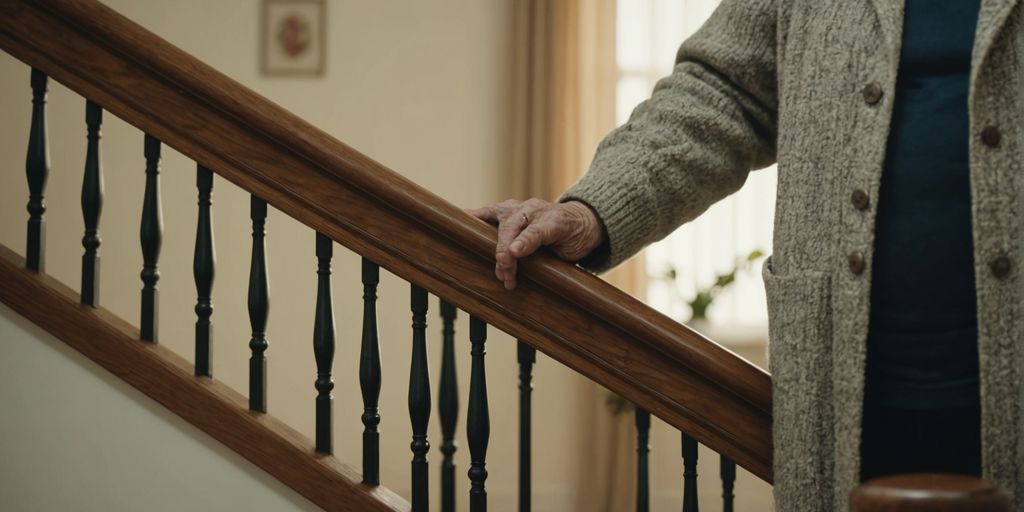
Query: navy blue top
{"x":922,"y":340}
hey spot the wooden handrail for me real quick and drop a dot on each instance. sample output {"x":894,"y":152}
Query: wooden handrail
{"x":692,"y":383}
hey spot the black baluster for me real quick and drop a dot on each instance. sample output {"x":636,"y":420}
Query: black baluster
{"x":203,"y":271}
{"x":419,"y":400}
{"x":525,"y":356}
{"x":151,"y":236}
{"x":478,"y":422}
{"x":728,"y":472}
{"x":448,"y":405}
{"x":37,"y":168}
{"x":689,"y":474}
{"x":92,"y":206}
{"x":370,"y":375}
{"x":643,"y":447}
{"x":259,"y":306}
{"x":323,"y":344}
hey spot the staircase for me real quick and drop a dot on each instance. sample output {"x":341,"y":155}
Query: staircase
{"x":284,"y":163}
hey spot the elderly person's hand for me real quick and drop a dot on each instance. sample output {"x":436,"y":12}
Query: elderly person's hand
{"x":570,"y":229}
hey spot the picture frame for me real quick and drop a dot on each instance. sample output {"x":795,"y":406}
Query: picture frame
{"x":293,"y":37}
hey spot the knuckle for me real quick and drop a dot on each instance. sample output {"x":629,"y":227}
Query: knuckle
{"x":531,"y":236}
{"x":505,"y":236}
{"x":535,"y":203}
{"x":527,"y":242}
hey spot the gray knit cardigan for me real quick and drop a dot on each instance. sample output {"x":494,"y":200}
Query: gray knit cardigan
{"x":785,"y":81}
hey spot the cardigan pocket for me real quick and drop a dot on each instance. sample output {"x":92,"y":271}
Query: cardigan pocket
{"x":799,"y":320}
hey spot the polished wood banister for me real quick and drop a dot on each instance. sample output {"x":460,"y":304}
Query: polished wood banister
{"x":574,"y":317}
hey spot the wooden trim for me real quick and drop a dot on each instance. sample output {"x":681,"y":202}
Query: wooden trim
{"x":208,"y":404}
{"x":692,"y":383}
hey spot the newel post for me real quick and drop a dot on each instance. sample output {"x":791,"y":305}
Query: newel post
{"x":929,"y":492}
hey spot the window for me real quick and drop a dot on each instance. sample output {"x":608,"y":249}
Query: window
{"x":649,"y":33}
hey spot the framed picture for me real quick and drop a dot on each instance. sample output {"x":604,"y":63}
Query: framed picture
{"x":293,"y":36}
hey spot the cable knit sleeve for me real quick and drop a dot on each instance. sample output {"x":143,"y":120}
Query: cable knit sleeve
{"x":705,"y":127}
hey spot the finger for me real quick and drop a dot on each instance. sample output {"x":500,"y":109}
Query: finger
{"x":510,"y":276}
{"x":485,"y":213}
{"x":508,"y":230}
{"x":530,"y":212}
{"x":503,"y":209}
{"x":505,"y":262}
{"x":495,"y":212}
{"x":537,"y":227}
{"x":512,"y":215}
{"x":502,"y":269}
{"x":528,"y":241}
{"x":549,"y":228}
{"x":506,"y":272}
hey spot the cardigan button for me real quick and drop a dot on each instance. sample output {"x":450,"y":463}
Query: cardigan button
{"x":856,"y":262}
{"x":860,"y":199}
{"x":872,"y":93}
{"x":1000,"y":267}
{"x":990,"y":136}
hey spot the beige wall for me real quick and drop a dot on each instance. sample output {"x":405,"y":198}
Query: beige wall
{"x":75,"y":437}
{"x":422,"y":87}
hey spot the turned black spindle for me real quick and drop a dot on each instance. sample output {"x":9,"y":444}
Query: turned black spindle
{"x":323,"y":344}
{"x":92,"y":205}
{"x":151,"y":237}
{"x":37,"y":168}
{"x":526,"y":355}
{"x":259,"y":306}
{"x":728,"y":472}
{"x":448,"y":405}
{"x":419,"y":400}
{"x":203,"y":262}
{"x":689,"y":474}
{"x":643,"y":447}
{"x":370,"y":375}
{"x":478,"y":420}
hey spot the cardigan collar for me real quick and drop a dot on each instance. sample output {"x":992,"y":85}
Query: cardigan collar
{"x":991,"y":18}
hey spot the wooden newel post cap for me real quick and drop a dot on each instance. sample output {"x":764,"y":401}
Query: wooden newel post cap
{"x":929,"y":493}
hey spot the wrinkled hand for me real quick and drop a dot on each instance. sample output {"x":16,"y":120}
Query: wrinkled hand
{"x":570,"y":229}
